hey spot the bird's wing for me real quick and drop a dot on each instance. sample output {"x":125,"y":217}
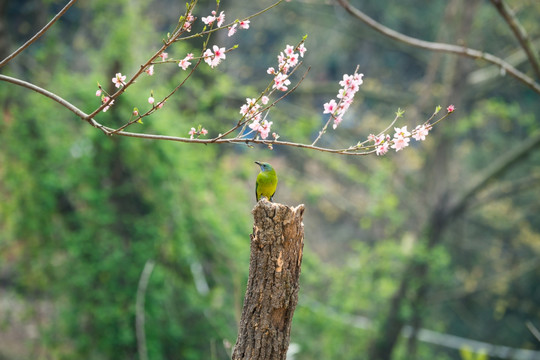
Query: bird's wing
{"x":256,"y":188}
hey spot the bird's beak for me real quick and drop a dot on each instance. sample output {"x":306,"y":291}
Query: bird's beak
{"x":258,"y":163}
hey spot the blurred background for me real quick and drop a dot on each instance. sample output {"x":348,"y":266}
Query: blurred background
{"x":414,"y":255}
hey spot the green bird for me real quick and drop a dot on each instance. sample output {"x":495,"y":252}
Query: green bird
{"x":266,"y":181}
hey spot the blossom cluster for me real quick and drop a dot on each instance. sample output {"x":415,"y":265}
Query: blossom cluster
{"x":287,"y":59}
{"x":209,"y":20}
{"x":402,"y":136}
{"x":251,"y":110}
{"x":214,"y":58}
{"x":349,"y":87}
{"x":104,"y":98}
{"x":188,"y":21}
{"x":194,"y":132}
{"x":243,"y":24}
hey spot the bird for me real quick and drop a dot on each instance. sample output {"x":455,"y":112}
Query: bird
{"x":266,"y":181}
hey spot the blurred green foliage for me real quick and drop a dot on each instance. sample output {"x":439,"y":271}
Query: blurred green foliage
{"x":81,"y":213}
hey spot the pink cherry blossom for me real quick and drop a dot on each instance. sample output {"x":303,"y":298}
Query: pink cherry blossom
{"x":330,"y":107}
{"x":219,"y":53}
{"x":359,"y":79}
{"x":150,"y":70}
{"x":350,"y":85}
{"x":420,"y":132}
{"x":302,"y":49}
{"x":281,"y":82}
{"x":244,"y":24}
{"x":151,"y":100}
{"x":451,"y":108}
{"x":98,"y":92}
{"x":264,"y":128}
{"x":187,"y":23}
{"x":214,"y":58}
{"x":376,"y":139}
{"x":184,"y":63}
{"x":208,"y":55}
{"x":250,"y":110}
{"x":255,"y":125}
{"x":271,"y":71}
{"x":192,"y":132}
{"x":337,"y":121}
{"x":163,"y":56}
{"x":265,"y":100}
{"x":208,"y":20}
{"x":204,"y":131}
{"x":220,"y":19}
{"x":232,"y":30}
{"x":119,"y":80}
{"x":289,"y":50}
{"x":382,"y":149}
{"x":104,"y":100}
{"x":400,"y":142}
{"x":402,"y":132}
{"x":293,"y":59}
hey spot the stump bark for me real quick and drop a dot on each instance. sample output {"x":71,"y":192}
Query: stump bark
{"x":272,"y":290}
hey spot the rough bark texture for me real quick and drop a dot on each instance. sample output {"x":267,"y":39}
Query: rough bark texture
{"x":272,"y":290}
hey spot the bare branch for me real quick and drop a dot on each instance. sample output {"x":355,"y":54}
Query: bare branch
{"x":354,"y":150}
{"x":81,"y":114}
{"x":441,"y":47}
{"x":38,"y":34}
{"x":520,"y":33}
{"x":109,"y":131}
{"x":497,"y":168}
{"x":47,"y":93}
{"x":242,"y":141}
{"x":533,"y":330}
{"x":139,"y":309}
{"x":245,"y":120}
{"x":510,"y":188}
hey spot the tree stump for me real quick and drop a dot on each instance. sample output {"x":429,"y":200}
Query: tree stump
{"x":272,"y":290}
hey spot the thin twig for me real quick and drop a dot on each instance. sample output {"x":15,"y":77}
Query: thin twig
{"x":332,"y":116}
{"x":323,"y":130}
{"x":163,"y":100}
{"x":131,"y":81}
{"x":244,"y":121}
{"x":434,"y":46}
{"x":231,"y":24}
{"x":505,"y":161}
{"x":520,"y":33}
{"x":38,"y":34}
{"x":533,"y":330}
{"x":139,"y":309}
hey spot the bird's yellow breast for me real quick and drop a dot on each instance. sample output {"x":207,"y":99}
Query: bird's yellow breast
{"x":266,"y":184}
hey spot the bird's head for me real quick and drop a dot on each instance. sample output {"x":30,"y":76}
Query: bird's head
{"x":264,"y":166}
